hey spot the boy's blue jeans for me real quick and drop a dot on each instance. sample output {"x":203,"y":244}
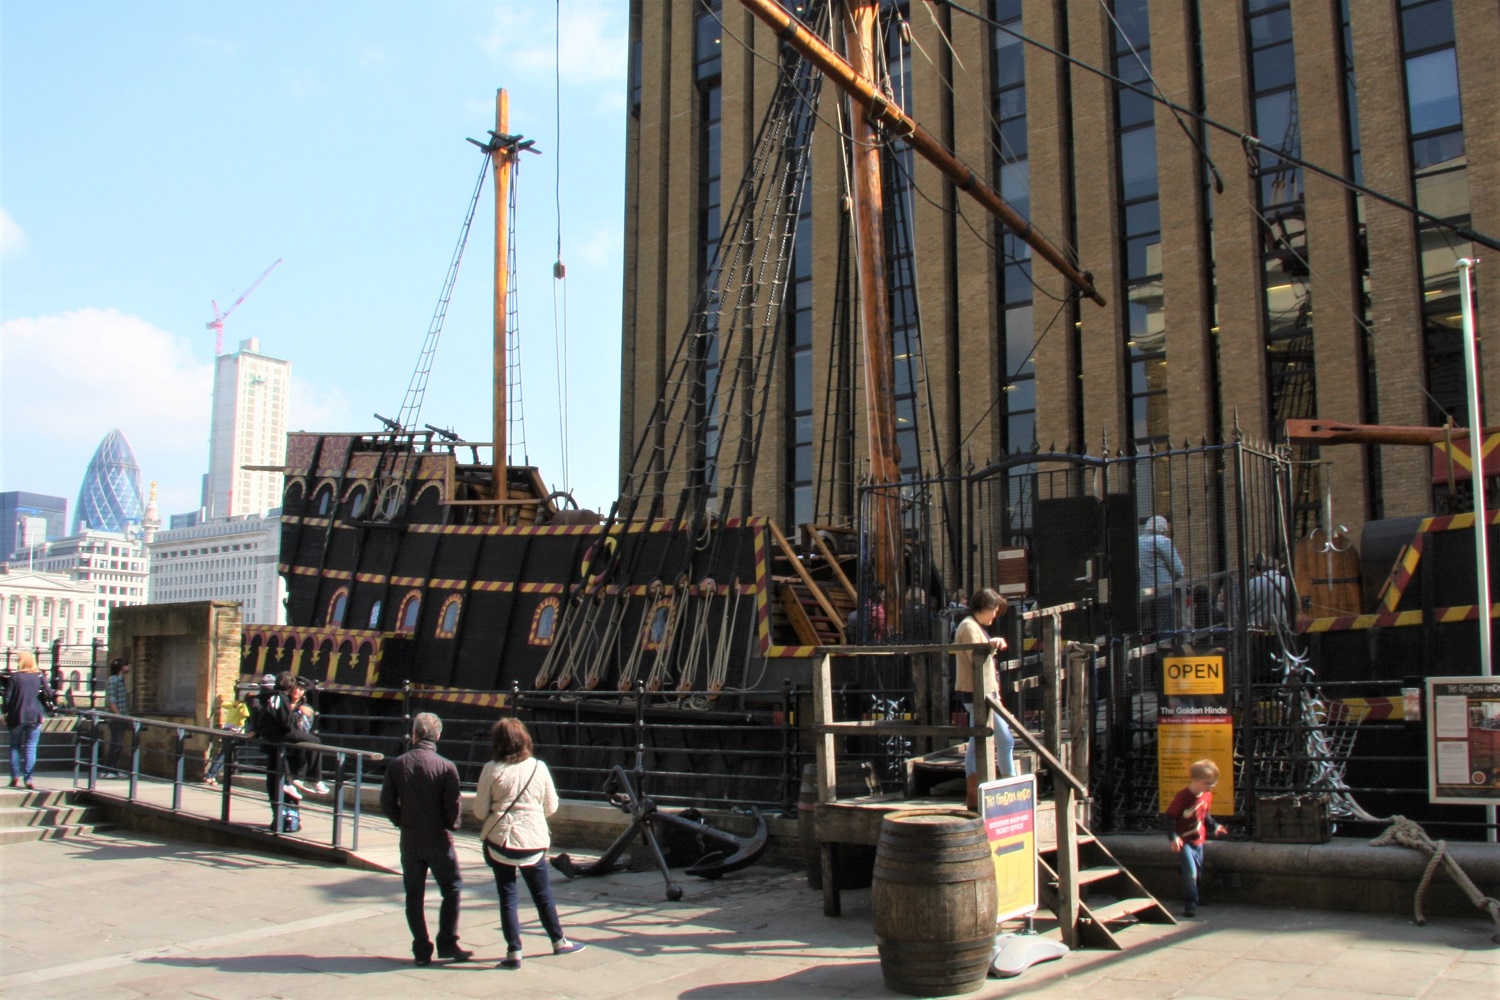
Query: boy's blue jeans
{"x":1192,"y":870}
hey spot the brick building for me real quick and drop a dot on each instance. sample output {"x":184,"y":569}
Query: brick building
{"x":1210,"y":323}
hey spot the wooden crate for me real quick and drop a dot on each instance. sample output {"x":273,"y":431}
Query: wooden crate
{"x":1293,"y":819}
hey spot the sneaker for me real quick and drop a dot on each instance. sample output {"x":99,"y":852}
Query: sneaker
{"x":211,"y":782}
{"x":455,"y":954}
{"x":566,"y":947}
{"x":511,"y":961}
{"x":320,"y":788}
{"x":290,"y":793}
{"x":300,"y":785}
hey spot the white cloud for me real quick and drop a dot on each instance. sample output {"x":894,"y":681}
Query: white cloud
{"x":595,"y":40}
{"x":600,"y":247}
{"x":318,"y":408}
{"x":74,"y":376}
{"x":373,"y":57}
{"x":12,"y":237}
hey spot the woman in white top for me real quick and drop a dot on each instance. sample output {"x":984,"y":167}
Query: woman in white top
{"x":514,"y":798}
{"x":984,"y":607}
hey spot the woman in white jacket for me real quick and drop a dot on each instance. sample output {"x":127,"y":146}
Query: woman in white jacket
{"x":514,"y":799}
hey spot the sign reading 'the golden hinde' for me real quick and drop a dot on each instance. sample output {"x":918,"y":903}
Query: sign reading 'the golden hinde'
{"x":1194,"y":721}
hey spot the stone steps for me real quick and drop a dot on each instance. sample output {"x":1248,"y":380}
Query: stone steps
{"x":43,"y":814}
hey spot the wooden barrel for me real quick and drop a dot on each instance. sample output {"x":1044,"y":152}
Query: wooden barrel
{"x":856,"y":862}
{"x":934,"y":901}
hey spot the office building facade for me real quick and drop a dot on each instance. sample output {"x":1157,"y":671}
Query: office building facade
{"x":1209,"y":328}
{"x":112,"y":565}
{"x":37,"y":609}
{"x":222,"y":559}
{"x":251,"y":392}
{"x":30,"y":519}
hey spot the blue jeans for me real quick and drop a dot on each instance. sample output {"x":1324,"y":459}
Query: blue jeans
{"x":24,"y":737}
{"x":1005,"y":746}
{"x":540,"y":886}
{"x":1192,"y":871}
{"x":416,"y":861}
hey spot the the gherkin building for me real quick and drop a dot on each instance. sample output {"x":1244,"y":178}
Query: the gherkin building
{"x":110,"y":499}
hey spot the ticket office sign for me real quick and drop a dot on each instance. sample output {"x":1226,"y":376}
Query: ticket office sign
{"x":1194,"y":722}
{"x":1008,"y":807}
{"x":1463,"y":740}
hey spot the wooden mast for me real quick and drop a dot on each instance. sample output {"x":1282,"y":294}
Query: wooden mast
{"x":880,"y":108}
{"x":503,"y":154}
{"x":861,"y":23}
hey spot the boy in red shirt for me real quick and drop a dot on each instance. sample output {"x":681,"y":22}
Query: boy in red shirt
{"x":1187,"y":821}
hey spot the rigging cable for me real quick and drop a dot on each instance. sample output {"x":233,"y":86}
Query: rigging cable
{"x":560,"y":270}
{"x":1250,"y":142}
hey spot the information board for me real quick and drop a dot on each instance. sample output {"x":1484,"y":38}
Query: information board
{"x":1194,"y":722}
{"x":1463,"y":740}
{"x":1008,"y":807}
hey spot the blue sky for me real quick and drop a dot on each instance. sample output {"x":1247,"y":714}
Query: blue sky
{"x":155,"y":156}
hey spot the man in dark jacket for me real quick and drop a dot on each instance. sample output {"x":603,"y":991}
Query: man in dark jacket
{"x":420,"y":795}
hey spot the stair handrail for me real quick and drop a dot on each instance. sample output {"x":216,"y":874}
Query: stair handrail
{"x":806,"y":577}
{"x":183,"y":730}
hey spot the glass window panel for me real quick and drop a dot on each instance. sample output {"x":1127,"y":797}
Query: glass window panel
{"x":1018,"y":282}
{"x":803,"y":246}
{"x":1427,"y":26}
{"x":1134,"y":22}
{"x":712,"y":165}
{"x":711,"y":195}
{"x":1437,"y":149}
{"x":715,"y":97}
{"x":1007,"y":10}
{"x":1432,"y":91}
{"x":1270,"y":28}
{"x":1143,"y":256}
{"x":1020,"y":335}
{"x":1444,"y":194}
{"x":802,"y":465}
{"x":1010,"y":60}
{"x":1143,"y":217}
{"x":802,"y":296}
{"x":802,"y":503}
{"x":1134,"y":108}
{"x":1012,"y":102}
{"x":1014,"y":248}
{"x":1138,"y":163}
{"x":1273,"y":67}
{"x":802,"y":428}
{"x":1013,"y":137}
{"x":906,"y":441}
{"x":903,"y":373}
{"x":1021,"y":395}
{"x":802,"y":394}
{"x":1015,"y":184}
{"x":802,"y":328}
{"x":1134,"y":70}
{"x":1020,"y":429}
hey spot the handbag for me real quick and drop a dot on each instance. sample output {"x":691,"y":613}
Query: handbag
{"x":489,"y":824}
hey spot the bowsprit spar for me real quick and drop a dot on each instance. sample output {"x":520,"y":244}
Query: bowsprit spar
{"x":407,"y":564}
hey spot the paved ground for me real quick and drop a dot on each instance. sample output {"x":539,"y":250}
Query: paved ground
{"x":130,"y":916}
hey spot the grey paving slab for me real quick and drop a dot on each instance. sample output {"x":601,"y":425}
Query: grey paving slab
{"x":117,"y":915}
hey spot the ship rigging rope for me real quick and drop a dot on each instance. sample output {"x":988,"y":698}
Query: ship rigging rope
{"x":514,"y":400}
{"x":1250,"y":142}
{"x":559,"y":271}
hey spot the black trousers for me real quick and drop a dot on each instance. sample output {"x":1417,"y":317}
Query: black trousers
{"x":442,"y":861}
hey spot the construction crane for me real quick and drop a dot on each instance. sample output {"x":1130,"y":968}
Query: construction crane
{"x":217,"y":323}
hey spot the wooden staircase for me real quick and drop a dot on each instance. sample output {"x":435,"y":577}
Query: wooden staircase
{"x":1110,"y":898}
{"x":814,"y":597}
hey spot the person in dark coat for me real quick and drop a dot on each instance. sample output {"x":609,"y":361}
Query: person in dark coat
{"x":273,"y":722}
{"x":28,"y":699}
{"x":420,"y":795}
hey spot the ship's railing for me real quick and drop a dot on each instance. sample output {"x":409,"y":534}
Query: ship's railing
{"x":170,"y":753}
{"x":745,"y":753}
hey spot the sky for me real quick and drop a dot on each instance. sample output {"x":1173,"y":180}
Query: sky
{"x":158,"y":156}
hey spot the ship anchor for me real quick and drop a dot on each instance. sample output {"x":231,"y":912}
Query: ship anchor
{"x":732,"y":852}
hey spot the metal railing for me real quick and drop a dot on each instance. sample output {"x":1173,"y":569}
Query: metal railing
{"x":87,"y":769}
